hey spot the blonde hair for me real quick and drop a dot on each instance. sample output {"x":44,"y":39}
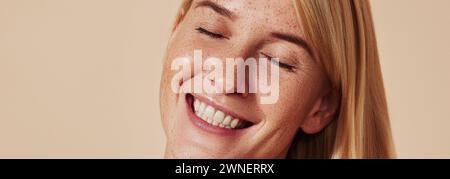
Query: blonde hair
{"x":342,"y":34}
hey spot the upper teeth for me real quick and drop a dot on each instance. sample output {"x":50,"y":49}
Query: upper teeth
{"x":215,"y":117}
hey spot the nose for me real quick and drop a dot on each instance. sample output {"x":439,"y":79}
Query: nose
{"x":234,"y":58}
{"x":231,"y":88}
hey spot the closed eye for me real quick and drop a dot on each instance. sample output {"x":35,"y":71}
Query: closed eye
{"x":210,"y":34}
{"x":285,"y":66}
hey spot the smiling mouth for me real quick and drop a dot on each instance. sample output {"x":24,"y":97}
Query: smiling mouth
{"x":215,"y":117}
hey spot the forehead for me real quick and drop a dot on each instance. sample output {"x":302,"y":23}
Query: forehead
{"x":278,"y":15}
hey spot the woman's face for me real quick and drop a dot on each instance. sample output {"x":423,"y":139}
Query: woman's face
{"x":244,"y":127}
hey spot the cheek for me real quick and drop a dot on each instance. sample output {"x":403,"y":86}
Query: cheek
{"x":179,"y":46}
{"x":168,"y":99}
{"x":285,"y":114}
{"x":297,"y":96}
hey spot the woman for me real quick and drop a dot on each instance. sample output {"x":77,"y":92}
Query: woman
{"x":331,"y":102}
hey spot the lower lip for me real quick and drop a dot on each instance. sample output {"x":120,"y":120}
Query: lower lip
{"x":200,"y":123}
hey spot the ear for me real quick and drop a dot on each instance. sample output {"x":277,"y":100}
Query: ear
{"x":322,"y":113}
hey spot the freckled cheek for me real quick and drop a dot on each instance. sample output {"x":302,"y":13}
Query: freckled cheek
{"x":291,"y":105}
{"x":285,"y":118}
{"x":181,"y":46}
{"x":176,"y":49}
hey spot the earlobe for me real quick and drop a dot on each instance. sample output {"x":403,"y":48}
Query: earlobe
{"x":322,"y":113}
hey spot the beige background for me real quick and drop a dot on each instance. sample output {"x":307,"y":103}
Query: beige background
{"x":80,"y":78}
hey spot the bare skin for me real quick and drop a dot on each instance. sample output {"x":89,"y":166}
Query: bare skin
{"x":245,"y":28}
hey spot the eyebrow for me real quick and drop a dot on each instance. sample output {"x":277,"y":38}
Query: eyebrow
{"x":295,"y":40}
{"x":217,"y":8}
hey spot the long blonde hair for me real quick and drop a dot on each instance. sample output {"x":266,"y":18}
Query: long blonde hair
{"x":343,"y":37}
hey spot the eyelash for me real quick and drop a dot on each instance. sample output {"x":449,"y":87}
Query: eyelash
{"x":210,"y":34}
{"x":213,"y":35}
{"x":289,"y":68}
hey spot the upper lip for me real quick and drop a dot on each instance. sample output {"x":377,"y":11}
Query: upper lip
{"x":222,"y":108}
